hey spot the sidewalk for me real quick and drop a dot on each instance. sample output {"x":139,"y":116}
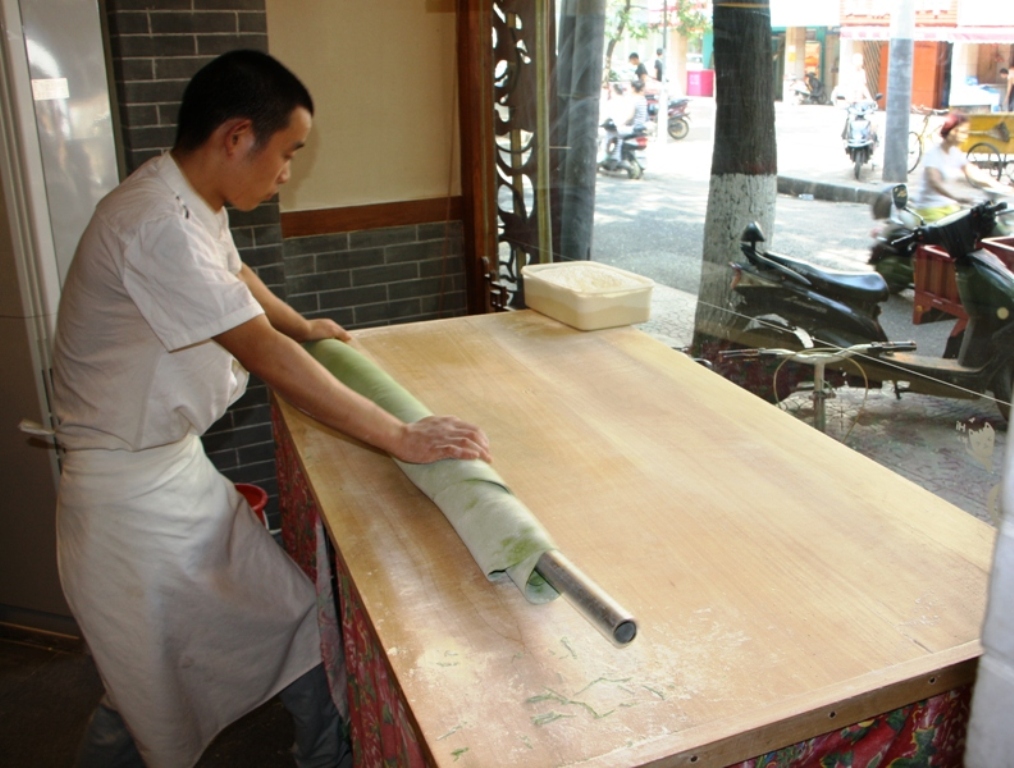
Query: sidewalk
{"x":812,"y":158}
{"x":954,"y":448}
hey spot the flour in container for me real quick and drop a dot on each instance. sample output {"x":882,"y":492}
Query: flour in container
{"x":588,"y":277}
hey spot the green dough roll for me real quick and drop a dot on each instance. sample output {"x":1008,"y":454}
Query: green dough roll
{"x":501,"y":533}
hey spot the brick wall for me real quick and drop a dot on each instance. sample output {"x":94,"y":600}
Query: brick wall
{"x":378,"y":277}
{"x":360,"y":279}
{"x":157,"y":46}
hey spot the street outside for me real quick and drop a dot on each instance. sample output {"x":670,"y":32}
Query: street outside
{"x":654,"y":226}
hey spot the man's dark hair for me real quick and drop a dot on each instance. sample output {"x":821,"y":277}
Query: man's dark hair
{"x":633,"y":56}
{"x":244,"y":84}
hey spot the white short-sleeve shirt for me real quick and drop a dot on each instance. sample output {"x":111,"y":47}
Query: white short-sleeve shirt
{"x":154,"y":278}
{"x":952,"y":168}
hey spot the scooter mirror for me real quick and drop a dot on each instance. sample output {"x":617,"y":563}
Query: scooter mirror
{"x":900,"y":196}
{"x":753,"y":234}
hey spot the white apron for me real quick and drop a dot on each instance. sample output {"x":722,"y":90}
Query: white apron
{"x":194,"y":614}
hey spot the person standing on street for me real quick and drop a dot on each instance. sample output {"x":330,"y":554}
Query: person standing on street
{"x":659,"y":65}
{"x":854,"y":87}
{"x":194,"y":615}
{"x":640,"y":71}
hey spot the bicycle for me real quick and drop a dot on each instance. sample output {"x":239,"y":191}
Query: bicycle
{"x":917,"y":139}
{"x":819,"y":358}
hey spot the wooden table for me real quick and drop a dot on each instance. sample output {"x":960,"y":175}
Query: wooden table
{"x":784,"y":585}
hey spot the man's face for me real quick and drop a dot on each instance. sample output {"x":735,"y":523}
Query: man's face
{"x":262,"y":169}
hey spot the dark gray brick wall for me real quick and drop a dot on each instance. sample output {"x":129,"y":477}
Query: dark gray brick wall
{"x":360,"y":279}
{"x":378,"y":277}
{"x":157,"y":45}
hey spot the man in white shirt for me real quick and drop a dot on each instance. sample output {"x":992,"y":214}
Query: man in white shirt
{"x":192,"y":612}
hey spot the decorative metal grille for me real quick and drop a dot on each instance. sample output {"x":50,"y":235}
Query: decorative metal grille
{"x":520,"y":106}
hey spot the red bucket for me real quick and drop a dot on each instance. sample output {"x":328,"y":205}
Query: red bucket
{"x":257,"y":498}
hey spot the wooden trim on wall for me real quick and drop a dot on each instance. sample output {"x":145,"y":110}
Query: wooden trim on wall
{"x":329,"y":221}
{"x":478,"y":170}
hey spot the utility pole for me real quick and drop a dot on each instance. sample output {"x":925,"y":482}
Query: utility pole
{"x":662,"y":118}
{"x":899,"y":91}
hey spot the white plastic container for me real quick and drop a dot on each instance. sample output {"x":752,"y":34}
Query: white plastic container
{"x":587,"y":295}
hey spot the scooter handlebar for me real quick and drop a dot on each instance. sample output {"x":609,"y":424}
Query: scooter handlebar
{"x":822,"y":354}
{"x":983,"y":216}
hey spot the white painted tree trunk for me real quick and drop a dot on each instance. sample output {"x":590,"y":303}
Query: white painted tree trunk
{"x":734,"y":201}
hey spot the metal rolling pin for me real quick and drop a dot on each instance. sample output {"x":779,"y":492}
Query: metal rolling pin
{"x":608,"y":616}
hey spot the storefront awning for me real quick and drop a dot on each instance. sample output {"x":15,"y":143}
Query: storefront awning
{"x":805,"y":13}
{"x":942,"y":34}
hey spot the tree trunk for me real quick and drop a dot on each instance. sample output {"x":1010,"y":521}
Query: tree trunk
{"x":744,"y":165}
{"x":613,"y":40}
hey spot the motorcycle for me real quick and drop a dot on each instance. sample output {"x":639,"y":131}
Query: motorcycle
{"x":632,"y":146}
{"x":809,"y":90}
{"x":893,"y":252}
{"x":678,"y":115}
{"x":679,"y":118}
{"x":652,"y":99}
{"x":860,"y":135}
{"x":781,"y":302}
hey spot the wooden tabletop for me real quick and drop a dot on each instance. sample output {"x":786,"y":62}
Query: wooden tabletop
{"x":784,"y":585}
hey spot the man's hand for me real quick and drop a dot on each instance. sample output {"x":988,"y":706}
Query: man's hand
{"x":441,"y":437}
{"x":325,"y":328}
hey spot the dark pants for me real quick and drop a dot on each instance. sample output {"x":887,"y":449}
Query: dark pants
{"x":320,"y":742}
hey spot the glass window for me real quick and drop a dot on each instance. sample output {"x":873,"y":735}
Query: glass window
{"x":650,"y":138}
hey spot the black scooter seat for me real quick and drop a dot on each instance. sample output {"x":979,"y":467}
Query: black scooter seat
{"x":856,"y":286}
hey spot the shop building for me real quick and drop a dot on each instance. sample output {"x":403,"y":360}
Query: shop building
{"x":960,"y":48}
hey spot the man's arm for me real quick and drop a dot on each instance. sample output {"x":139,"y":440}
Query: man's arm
{"x":287,"y":320}
{"x":935,"y":181}
{"x":290,"y":370}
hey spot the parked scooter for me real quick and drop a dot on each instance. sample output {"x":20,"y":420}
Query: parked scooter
{"x":632,"y":146}
{"x":652,"y":99}
{"x":678,"y":115}
{"x":809,"y":90}
{"x":679,"y":118}
{"x":780,"y":302}
{"x":860,"y":135}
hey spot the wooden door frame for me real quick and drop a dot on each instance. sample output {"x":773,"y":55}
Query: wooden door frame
{"x":478,"y":171}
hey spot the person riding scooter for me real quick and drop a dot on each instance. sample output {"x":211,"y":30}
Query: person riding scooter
{"x":945,"y":167}
{"x":631,"y":118}
{"x":636,"y":117}
{"x":892,"y":253}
